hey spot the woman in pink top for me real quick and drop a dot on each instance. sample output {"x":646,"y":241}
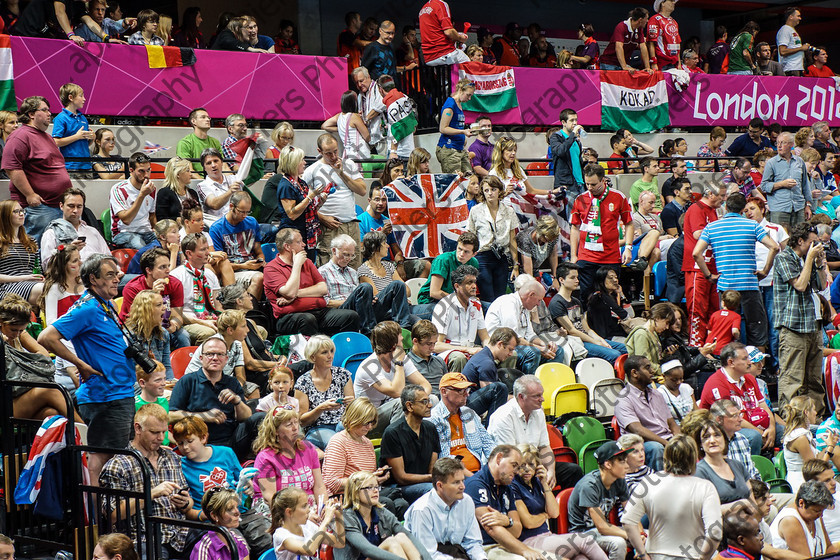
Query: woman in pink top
{"x":285,"y":459}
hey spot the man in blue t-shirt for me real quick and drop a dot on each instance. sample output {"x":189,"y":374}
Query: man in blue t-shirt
{"x":238,"y":235}
{"x":482,"y":368}
{"x":107,"y":376}
{"x":495,"y":502}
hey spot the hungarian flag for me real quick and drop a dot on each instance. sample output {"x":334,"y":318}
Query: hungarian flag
{"x":495,"y":87}
{"x":637,"y":102}
{"x":399,"y":112}
{"x":7,"y":84}
{"x":169,"y":57}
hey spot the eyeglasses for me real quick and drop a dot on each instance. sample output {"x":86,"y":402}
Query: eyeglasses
{"x":235,"y":209}
{"x":459,"y":391}
{"x":44,"y":110}
{"x":213,"y":354}
{"x":20,"y":211}
{"x":424,"y":402}
{"x":370,"y":488}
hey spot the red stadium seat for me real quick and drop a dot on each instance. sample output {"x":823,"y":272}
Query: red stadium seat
{"x":123,"y":257}
{"x":180,"y":359}
{"x":537,"y":169}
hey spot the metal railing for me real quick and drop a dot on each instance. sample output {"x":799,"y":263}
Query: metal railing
{"x":85,"y":515}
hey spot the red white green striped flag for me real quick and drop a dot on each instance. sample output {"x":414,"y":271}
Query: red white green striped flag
{"x":637,"y":102}
{"x":495,"y":87}
{"x":7,"y":83}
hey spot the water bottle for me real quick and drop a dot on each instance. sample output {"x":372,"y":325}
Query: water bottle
{"x":37,"y":268}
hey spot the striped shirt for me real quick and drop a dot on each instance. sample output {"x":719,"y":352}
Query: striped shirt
{"x":122,"y":198}
{"x":733,"y":239}
{"x":343,"y":457}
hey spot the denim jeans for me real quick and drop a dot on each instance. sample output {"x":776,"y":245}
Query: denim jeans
{"x":38,"y":218}
{"x":654,"y":453}
{"x":772,"y":334}
{"x":412,"y":492}
{"x":493,"y":276}
{"x":133,"y":240}
{"x":610,"y":354}
{"x":528,"y":358}
{"x":390,"y":303}
{"x":424,"y":310}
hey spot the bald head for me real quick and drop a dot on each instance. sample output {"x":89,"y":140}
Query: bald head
{"x":386,"y":32}
{"x":531,"y":292}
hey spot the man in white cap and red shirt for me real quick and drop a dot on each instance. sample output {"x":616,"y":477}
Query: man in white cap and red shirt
{"x":461,"y":433}
{"x":663,"y":35}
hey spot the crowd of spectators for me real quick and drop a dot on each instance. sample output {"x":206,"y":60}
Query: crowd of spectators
{"x":449,"y":385}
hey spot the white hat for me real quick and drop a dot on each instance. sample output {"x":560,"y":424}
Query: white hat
{"x":658,"y":3}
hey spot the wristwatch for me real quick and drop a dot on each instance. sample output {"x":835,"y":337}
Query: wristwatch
{"x":399,"y":362}
{"x":510,"y":522}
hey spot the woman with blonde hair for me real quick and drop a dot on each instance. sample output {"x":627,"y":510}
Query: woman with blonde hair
{"x":144,"y":320}
{"x":537,"y":247}
{"x":475,"y":52}
{"x":350,"y":451}
{"x":165,"y":28}
{"x":282,"y":135}
{"x":285,"y":459}
{"x":18,"y":256}
{"x":418,"y":162}
{"x":450,"y":152}
{"x":802,"y":140}
{"x":8,"y":124}
{"x":506,"y":167}
{"x":362,"y":509}
{"x":536,"y":505}
{"x":175,"y":190}
{"x":297,"y":203}
{"x":798,"y":442}
{"x":324,"y":392}
{"x":103,"y":145}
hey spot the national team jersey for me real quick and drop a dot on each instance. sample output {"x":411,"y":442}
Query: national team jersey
{"x":696,"y":218}
{"x":613,"y":208}
{"x":435,"y":18}
{"x":665,"y":35}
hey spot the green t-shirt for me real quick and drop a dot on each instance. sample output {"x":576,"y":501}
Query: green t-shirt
{"x":641,"y":186}
{"x":443,"y":266}
{"x":737,"y":62}
{"x":191,"y":146}
{"x":138,"y":402}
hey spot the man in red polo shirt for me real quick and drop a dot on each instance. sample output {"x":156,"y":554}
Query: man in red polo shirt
{"x":594,"y":236}
{"x":733,"y":382}
{"x":296,"y":291}
{"x":701,"y":297}
{"x":155,"y":266}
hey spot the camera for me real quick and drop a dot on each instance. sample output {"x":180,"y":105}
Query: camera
{"x":140,"y":357}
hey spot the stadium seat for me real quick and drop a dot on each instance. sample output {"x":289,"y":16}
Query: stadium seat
{"x":573,"y":397}
{"x":765,"y":467}
{"x":580,"y":430}
{"x":555,"y":438}
{"x":619,"y":366}
{"x":158,"y":172}
{"x":563,"y":518}
{"x":660,"y":277}
{"x":591,"y":370}
{"x":414,"y":285}
{"x":616,"y":428}
{"x":779,"y":461}
{"x":351,"y":363}
{"x":117,"y":301}
{"x":831,"y":373}
{"x":123,"y":257}
{"x":348,"y":344}
{"x":268,"y":555}
{"x":269,"y":251}
{"x":779,"y":486}
{"x":586,"y":457}
{"x":602,"y":396}
{"x":537,"y":169}
{"x":406,"y":338}
{"x":105,"y":218}
{"x":180,"y":359}
{"x":553,"y":376}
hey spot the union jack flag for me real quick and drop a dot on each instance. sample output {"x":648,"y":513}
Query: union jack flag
{"x":428,"y":212}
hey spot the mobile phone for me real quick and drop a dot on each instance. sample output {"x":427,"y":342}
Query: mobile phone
{"x":339,"y":400}
{"x":81,"y":238}
{"x":259,"y":260}
{"x":183,"y":489}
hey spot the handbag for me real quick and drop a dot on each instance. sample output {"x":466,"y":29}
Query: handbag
{"x":27,"y":366}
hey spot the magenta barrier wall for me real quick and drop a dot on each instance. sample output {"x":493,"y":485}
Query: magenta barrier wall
{"x":709,"y":100}
{"x":118,"y":81}
{"x":712,"y":100}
